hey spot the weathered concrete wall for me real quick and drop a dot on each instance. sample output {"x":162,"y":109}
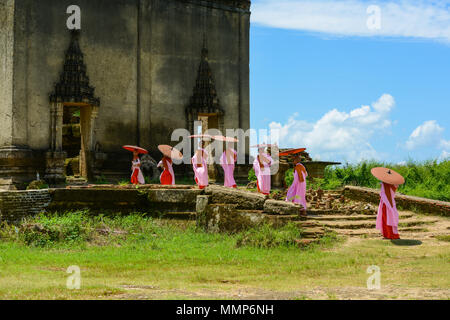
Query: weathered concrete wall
{"x":6,"y":70}
{"x":176,"y":33}
{"x":422,"y":205}
{"x":141,"y":56}
{"x":109,"y":43}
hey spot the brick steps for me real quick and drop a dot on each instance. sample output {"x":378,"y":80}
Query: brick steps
{"x":315,"y":212}
{"x":413,"y":229}
{"x":370,"y":224}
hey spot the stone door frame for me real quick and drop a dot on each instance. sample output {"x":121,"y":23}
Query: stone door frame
{"x":56,"y":156}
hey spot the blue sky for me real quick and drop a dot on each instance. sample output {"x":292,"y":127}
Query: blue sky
{"x":347,"y":92}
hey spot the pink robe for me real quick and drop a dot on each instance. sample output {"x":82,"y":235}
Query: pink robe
{"x":136,"y":172}
{"x":228,"y":169}
{"x":263,"y":174}
{"x":164,"y":173}
{"x":201,"y":173}
{"x":297,"y":191}
{"x":391,"y":212}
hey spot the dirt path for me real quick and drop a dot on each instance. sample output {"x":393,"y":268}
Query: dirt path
{"x":318,"y":293}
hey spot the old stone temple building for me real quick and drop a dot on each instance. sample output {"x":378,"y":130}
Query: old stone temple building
{"x":134,"y":72}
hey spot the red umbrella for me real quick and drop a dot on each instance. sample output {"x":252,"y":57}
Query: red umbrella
{"x":226,"y":139}
{"x":135,"y":148}
{"x":292,"y":151}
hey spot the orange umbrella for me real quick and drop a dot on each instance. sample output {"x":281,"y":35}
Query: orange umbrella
{"x":388,"y":176}
{"x":292,"y":151}
{"x":170,"y":152}
{"x":135,"y":148}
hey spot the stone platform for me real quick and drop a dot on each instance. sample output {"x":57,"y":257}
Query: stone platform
{"x":215,"y":209}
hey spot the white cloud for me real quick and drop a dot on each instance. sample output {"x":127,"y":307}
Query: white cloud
{"x":445,"y":155}
{"x":427,"y":134}
{"x":339,"y":135}
{"x":426,"y":19}
{"x":445,"y":144}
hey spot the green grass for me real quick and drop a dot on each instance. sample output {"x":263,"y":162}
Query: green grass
{"x":181,"y":261}
{"x":443,"y":238}
{"x":429,"y":179}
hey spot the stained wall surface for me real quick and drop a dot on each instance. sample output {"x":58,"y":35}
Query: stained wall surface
{"x":142,"y":58}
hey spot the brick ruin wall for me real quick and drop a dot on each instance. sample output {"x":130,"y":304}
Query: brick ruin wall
{"x":16,"y":205}
{"x":422,"y":205}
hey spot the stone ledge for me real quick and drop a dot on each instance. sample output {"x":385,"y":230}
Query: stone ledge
{"x":282,"y":207}
{"x":243,"y":199}
{"x":404,"y":202}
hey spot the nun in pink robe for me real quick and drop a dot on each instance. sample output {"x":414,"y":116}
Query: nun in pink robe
{"x":262,"y":165}
{"x":387,"y":218}
{"x":297,"y":191}
{"x":227,"y":161}
{"x":200,"y":166}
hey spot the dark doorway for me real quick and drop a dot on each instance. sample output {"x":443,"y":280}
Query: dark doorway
{"x":71,"y":139}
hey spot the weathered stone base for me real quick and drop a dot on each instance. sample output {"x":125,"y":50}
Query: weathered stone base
{"x":54,"y":167}
{"x":18,"y":166}
{"x":283,"y":207}
{"x":243,"y":199}
{"x":124,"y":200}
{"x":229,"y":210}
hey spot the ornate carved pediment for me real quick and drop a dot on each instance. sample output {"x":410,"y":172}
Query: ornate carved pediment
{"x":73,"y":85}
{"x":204,"y":98}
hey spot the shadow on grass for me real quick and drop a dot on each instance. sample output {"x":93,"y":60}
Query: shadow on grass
{"x":406,"y":242}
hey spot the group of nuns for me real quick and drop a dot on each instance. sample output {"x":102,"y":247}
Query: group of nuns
{"x":387,"y":217}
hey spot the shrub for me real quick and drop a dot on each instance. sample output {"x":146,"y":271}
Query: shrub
{"x":428,"y":179}
{"x":37,"y":184}
{"x":251,"y":175}
{"x":45,"y":229}
{"x":102,"y":180}
{"x":266,"y":236}
{"x":123,"y":182}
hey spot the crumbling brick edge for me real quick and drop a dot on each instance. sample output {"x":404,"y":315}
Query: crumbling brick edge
{"x":404,"y":202}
